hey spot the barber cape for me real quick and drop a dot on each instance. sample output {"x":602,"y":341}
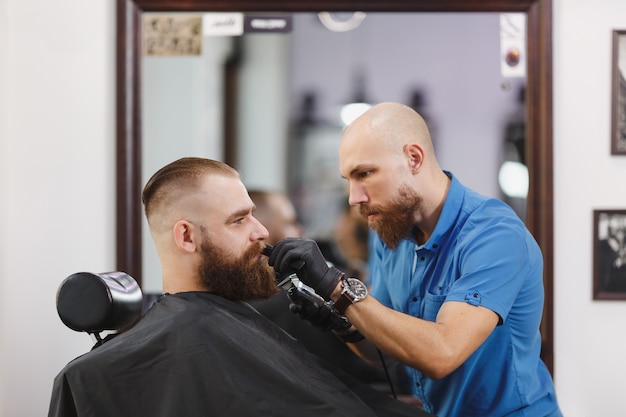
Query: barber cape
{"x":198,"y":354}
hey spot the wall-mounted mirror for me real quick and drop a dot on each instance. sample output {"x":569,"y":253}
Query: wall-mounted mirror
{"x":289,"y":91}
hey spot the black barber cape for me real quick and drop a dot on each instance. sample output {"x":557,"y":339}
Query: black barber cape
{"x":198,"y":354}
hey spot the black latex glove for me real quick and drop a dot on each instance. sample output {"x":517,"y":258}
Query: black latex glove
{"x":315,"y":312}
{"x":304,"y":257}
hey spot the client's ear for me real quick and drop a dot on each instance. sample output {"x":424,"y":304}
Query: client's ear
{"x":185,"y":235}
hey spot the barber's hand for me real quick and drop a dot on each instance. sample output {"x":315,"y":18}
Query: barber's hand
{"x":304,"y":257}
{"x":316,"y":313}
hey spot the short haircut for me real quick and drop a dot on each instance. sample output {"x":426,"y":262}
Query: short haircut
{"x":177,"y":176}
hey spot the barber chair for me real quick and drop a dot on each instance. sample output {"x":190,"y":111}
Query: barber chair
{"x":95,"y":303}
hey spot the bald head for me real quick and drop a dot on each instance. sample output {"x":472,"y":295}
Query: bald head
{"x":387,"y":156}
{"x":389,"y":132}
{"x":392,"y":125}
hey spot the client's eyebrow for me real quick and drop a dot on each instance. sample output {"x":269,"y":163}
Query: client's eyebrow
{"x":239,"y":213}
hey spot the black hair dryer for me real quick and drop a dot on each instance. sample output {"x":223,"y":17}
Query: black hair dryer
{"x":92,"y":303}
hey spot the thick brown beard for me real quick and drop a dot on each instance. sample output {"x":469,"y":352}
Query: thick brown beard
{"x":395,"y":221}
{"x":242,"y":279}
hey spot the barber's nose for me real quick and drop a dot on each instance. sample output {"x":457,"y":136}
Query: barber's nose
{"x":357,"y":194}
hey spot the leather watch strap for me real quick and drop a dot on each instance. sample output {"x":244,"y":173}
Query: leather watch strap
{"x":342,"y":303}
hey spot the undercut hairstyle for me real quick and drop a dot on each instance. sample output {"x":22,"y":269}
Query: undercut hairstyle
{"x":182,"y":174}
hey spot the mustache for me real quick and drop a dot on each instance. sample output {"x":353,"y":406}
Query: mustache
{"x":258,"y":248}
{"x":254,"y":251}
{"x":366,"y":210}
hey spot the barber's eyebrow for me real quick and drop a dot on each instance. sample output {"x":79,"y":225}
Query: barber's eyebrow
{"x":361,"y":168}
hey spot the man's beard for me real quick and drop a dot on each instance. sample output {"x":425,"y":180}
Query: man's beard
{"x":238,"y":279}
{"x":395,"y":221}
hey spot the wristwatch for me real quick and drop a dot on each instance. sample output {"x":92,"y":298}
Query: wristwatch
{"x":353,"y":290}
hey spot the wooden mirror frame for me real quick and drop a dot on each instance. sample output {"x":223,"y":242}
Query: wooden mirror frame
{"x":538,"y":111}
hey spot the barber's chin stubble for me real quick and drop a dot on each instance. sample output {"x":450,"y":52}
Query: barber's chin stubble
{"x":395,"y":221}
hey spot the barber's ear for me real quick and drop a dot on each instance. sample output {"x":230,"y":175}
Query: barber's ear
{"x":415,"y":157}
{"x":186,"y":235}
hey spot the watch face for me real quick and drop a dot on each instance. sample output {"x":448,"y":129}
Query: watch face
{"x":358,"y":288}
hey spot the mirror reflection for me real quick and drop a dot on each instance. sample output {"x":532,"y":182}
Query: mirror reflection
{"x":289,"y":85}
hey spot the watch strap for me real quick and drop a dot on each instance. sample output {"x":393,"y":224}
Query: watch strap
{"x":345,"y":299}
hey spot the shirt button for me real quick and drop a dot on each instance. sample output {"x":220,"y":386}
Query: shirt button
{"x":414,"y":299}
{"x":421,"y":258}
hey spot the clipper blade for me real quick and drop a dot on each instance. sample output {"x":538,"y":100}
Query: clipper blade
{"x":267,"y":250}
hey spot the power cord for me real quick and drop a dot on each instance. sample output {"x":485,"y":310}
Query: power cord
{"x":382,"y":360}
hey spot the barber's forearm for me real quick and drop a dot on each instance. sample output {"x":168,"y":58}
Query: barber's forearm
{"x":407,"y":339}
{"x":418,"y":343}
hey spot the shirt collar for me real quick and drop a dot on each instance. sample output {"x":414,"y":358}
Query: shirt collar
{"x":447,"y":219}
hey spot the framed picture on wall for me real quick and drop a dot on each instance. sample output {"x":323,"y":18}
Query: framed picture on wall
{"x":609,"y":254}
{"x":618,"y":105}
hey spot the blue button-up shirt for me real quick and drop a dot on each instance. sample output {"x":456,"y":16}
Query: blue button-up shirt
{"x":480,"y":253}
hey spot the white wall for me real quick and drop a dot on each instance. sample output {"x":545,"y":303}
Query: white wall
{"x":590,"y":351}
{"x":4,"y":150}
{"x":57,"y":171}
{"x":58,"y":177}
